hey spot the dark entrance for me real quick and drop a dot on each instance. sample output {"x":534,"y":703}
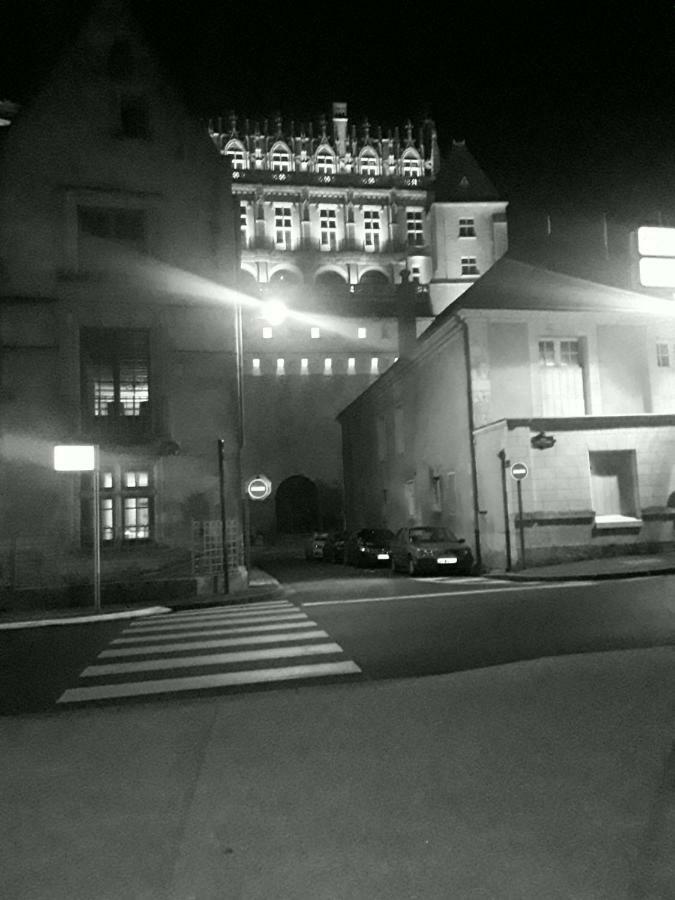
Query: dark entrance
{"x":297,"y":505}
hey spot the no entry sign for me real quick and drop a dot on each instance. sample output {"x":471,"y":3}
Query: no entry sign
{"x":519,"y":471}
{"x":259,"y":487}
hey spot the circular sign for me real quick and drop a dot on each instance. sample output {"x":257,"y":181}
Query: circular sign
{"x":259,"y":487}
{"x":519,"y":471}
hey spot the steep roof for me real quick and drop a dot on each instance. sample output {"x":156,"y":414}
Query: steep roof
{"x":461,"y":179}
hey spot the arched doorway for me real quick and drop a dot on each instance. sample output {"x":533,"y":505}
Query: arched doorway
{"x":297,"y":505}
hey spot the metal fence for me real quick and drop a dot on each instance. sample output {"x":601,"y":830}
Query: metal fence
{"x":207,"y":546}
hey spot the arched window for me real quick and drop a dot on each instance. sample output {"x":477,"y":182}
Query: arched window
{"x":411,"y":165}
{"x":235,"y":152}
{"x":374,"y":277}
{"x":285,"y":278}
{"x":324,"y":161}
{"x":281,"y":158}
{"x":331,"y":283}
{"x":369,"y":163}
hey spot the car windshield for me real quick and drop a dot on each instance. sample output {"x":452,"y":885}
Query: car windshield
{"x":430,"y":535}
{"x":375,"y":534}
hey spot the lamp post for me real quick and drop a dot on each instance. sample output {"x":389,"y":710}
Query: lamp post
{"x":85,"y":458}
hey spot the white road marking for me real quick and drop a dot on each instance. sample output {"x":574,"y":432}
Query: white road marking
{"x":201,"y":682}
{"x":213,"y":659}
{"x":205,"y":645}
{"x":436,"y":594}
{"x":220,"y":620}
{"x":233,"y":612}
{"x":195,"y":631}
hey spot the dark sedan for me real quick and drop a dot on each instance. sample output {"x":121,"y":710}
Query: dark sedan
{"x":368,"y":547}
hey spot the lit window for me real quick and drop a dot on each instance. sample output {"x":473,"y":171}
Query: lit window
{"x":328,"y":366}
{"x":107,"y":519}
{"x":315,"y":332}
{"x":324,"y":163}
{"x":469,"y":265}
{"x":136,"y":518}
{"x":411,"y":167}
{"x":125,"y":506}
{"x":255,"y":366}
{"x":267,"y":332}
{"x":304,"y":366}
{"x":371,"y":229}
{"x":351,"y":365}
{"x":662,"y":355}
{"x":361,"y":333}
{"x":243,"y":224}
{"x":281,"y":368}
{"x":328,"y":229}
{"x":415,"y":274}
{"x":135,"y":479}
{"x":374,"y":365}
{"x":561,"y":377}
{"x":281,"y":161}
{"x":415,"y":227}
{"x":467,"y":228}
{"x":106,"y":480}
{"x":282,"y":227}
{"x":368,"y":165}
{"x":115,"y":373}
{"x":547,"y":353}
{"x":236,"y":156}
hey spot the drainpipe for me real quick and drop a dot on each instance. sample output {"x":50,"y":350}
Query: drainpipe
{"x":472,"y":448}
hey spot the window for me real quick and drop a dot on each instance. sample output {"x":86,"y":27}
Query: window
{"x":561,"y":377}
{"x":281,"y":160}
{"x":134,"y":116}
{"x":304,"y":366}
{"x":361,"y":333}
{"x":235,"y":153}
{"x":328,"y":229}
{"x":614,"y":487}
{"x":368,"y":164}
{"x":371,"y":229}
{"x":282,"y":227}
{"x":267,"y":332}
{"x":243,"y":224}
{"x":102,"y":231}
{"x":126,"y":505}
{"x":411,"y":167}
{"x":469,"y":265}
{"x":664,"y":354}
{"x":324,"y":163}
{"x":115,"y":373}
{"x":467,"y":228}
{"x":255,"y":366}
{"x":374,"y":365}
{"x":415,"y":227}
{"x":351,"y":365}
{"x":328,"y":366}
{"x":314,"y":332}
{"x":281,"y":367}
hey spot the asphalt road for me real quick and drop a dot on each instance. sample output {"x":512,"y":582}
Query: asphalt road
{"x":336,"y":623}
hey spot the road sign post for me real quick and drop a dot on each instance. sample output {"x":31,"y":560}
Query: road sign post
{"x":519,"y":471}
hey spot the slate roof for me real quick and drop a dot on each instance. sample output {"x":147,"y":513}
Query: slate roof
{"x":461,"y":179}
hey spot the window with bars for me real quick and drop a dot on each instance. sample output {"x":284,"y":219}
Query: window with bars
{"x":415,"y":227}
{"x":467,"y":228}
{"x":282,"y":227}
{"x":371,"y":229}
{"x":469,"y":265}
{"x":328,"y":229}
{"x":115,"y":373}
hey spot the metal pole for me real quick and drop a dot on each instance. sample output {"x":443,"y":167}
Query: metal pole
{"x":223,"y":530}
{"x":505,"y":503}
{"x":97,"y":531}
{"x":521,"y":528}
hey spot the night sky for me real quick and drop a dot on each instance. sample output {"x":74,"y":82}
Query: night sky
{"x":560,"y":104}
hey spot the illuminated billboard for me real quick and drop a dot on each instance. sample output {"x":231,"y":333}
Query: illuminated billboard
{"x":656,"y":262}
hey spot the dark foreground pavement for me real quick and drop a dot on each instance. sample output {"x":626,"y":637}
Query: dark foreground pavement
{"x":545,"y":779}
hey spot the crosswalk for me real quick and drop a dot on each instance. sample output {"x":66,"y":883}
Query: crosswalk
{"x":218,"y":647}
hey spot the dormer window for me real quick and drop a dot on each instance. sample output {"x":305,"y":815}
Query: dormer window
{"x":236,"y":155}
{"x":368,"y":164}
{"x":281,"y":159}
{"x":411,"y":166}
{"x":324,"y":162}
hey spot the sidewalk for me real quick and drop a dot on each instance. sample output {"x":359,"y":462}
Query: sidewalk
{"x":261,"y":586}
{"x":594,"y":569}
{"x":551,"y":779}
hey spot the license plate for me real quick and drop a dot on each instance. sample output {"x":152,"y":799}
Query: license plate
{"x":383,"y":556}
{"x":446,"y":560}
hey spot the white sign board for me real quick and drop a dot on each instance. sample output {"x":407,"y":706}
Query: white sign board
{"x":74,"y":457}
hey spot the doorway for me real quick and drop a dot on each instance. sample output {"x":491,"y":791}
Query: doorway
{"x":297,"y":506}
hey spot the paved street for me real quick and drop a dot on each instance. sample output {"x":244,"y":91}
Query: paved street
{"x":334,"y":624}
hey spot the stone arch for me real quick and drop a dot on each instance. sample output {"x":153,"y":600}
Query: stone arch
{"x":374,"y":277}
{"x":248,"y":283}
{"x":285,"y":276}
{"x":331,"y":281}
{"x":296,"y":504}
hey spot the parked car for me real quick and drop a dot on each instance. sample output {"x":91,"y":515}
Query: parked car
{"x":429,"y":549}
{"x":334,"y":548}
{"x":368,"y":547}
{"x":315,"y":544}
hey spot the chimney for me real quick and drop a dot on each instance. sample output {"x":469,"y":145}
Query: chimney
{"x":340,"y":128}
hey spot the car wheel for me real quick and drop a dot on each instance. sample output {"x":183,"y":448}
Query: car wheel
{"x":412,"y":567}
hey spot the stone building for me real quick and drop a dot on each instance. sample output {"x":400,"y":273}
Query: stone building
{"x":117,"y":328}
{"x":331,"y":214}
{"x":572,"y":378}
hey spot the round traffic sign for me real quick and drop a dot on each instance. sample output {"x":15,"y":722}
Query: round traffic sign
{"x":519,"y":471}
{"x":259,"y":487}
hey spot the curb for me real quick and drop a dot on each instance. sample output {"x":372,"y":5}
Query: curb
{"x":583,"y":576}
{"x":85,"y":620}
